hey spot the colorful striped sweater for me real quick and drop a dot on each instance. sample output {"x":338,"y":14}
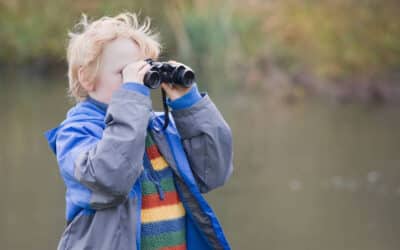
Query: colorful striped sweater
{"x":162,"y":214}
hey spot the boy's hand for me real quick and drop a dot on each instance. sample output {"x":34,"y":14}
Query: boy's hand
{"x":134,"y":72}
{"x":174,"y":91}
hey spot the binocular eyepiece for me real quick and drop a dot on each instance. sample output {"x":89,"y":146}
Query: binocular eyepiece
{"x":168,"y":73}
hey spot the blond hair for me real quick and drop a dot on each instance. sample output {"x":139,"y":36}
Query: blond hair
{"x":88,"y":39}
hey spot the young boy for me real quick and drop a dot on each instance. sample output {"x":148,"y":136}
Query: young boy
{"x":130,"y":184}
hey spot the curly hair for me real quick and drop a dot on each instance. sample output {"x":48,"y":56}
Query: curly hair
{"x":88,"y":39}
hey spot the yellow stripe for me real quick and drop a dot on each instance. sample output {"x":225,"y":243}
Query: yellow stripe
{"x":159,"y":163}
{"x":163,"y":213}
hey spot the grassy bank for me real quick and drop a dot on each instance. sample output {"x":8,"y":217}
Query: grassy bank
{"x":231,"y":42}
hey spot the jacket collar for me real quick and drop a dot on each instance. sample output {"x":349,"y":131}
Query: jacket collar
{"x":101,"y":105}
{"x":104,"y":106}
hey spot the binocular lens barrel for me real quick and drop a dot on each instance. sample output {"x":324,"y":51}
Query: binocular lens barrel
{"x":152,"y":79}
{"x":187,"y":78}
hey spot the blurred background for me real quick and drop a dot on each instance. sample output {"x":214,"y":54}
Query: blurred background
{"x":311,"y":90}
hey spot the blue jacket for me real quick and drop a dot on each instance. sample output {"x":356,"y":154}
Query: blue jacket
{"x":100,"y":156}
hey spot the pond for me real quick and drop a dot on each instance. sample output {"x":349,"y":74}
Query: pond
{"x":310,"y":175}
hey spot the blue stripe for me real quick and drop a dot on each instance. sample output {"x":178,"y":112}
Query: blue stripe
{"x":166,"y":172}
{"x":155,"y":228}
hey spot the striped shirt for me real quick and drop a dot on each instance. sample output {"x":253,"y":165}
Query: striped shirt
{"x":162,"y":213}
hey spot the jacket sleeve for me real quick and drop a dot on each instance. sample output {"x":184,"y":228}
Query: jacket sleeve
{"x":110,"y":165}
{"x":207,"y":140}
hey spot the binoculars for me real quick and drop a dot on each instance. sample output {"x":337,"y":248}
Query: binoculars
{"x":166,"y":72}
{"x":160,"y":72}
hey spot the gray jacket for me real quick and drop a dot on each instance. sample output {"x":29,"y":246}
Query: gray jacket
{"x":100,"y":155}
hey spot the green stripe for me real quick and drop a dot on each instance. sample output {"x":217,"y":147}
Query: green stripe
{"x":167,"y":184}
{"x":163,"y":240}
{"x":149,"y":140}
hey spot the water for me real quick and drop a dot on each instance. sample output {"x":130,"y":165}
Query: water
{"x":307,"y":176}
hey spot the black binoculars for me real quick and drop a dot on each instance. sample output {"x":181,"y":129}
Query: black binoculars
{"x":169,"y":73}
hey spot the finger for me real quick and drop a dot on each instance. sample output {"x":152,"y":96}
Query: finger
{"x":133,"y":66}
{"x":141,"y":64}
{"x":174,"y":62}
{"x":136,"y":65}
{"x":145,"y":68}
{"x":167,"y":87}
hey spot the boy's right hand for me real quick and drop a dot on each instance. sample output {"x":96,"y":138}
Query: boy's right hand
{"x":134,"y":72}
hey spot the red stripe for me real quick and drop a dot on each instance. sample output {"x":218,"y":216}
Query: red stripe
{"x":153,"y":200}
{"x":178,"y":247}
{"x":152,"y":151}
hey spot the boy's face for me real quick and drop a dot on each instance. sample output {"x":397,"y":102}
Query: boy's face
{"x":115,"y":56}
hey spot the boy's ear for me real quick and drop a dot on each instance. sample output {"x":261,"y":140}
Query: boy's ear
{"x":84,"y":79}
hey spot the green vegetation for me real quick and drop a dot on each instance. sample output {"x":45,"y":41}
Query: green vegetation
{"x":335,"y":39}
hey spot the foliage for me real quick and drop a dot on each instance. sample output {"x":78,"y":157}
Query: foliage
{"x":332,"y":39}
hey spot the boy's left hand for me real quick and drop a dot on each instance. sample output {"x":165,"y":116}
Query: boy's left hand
{"x":174,"y":91}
